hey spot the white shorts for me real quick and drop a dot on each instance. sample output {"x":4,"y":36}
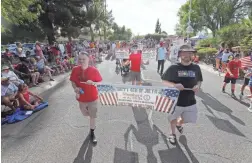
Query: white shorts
{"x":188,"y":114}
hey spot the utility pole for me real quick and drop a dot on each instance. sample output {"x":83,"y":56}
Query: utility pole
{"x":105,"y":11}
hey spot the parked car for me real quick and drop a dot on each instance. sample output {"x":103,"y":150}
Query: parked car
{"x":30,"y":49}
{"x":12,"y":49}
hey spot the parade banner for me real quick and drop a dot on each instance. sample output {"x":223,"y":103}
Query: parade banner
{"x":149,"y":53}
{"x":161,"y":99}
{"x":122,"y":54}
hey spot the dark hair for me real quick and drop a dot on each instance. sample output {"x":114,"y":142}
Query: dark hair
{"x":21,"y":87}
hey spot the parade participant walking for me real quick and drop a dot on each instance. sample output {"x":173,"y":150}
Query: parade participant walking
{"x":183,"y":75}
{"x":232,"y":74}
{"x":135,"y":60}
{"x":249,"y":75}
{"x":84,"y":78}
{"x":161,"y":55}
{"x":246,"y":81}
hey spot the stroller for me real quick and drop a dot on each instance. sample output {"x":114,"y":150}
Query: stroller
{"x":125,"y":69}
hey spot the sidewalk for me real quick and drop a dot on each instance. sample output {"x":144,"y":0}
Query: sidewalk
{"x":46,"y":86}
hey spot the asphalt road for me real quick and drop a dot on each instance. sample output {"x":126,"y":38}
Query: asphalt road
{"x":58,"y":134}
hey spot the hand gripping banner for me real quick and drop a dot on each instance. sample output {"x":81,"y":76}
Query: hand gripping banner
{"x":161,"y":99}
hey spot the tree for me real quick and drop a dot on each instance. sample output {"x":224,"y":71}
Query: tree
{"x":233,"y":34}
{"x":158,"y":27}
{"x":120,"y":33}
{"x":17,"y":12}
{"x":213,"y":14}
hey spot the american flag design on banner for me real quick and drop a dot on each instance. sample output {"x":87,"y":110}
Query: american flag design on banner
{"x":107,"y":94}
{"x":166,"y":99}
{"x":165,"y":102}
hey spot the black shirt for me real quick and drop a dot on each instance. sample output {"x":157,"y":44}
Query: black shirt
{"x":188,"y":76}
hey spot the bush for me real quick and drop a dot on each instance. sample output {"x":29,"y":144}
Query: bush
{"x":203,"y":52}
{"x":209,"y":42}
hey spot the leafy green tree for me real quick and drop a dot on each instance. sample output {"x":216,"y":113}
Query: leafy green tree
{"x":17,"y":12}
{"x":233,"y":34}
{"x":213,"y":14}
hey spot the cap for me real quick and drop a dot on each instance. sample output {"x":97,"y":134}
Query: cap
{"x":186,"y":48}
{"x":5,"y":67}
{"x":4,"y":78}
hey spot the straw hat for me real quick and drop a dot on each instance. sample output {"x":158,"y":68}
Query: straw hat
{"x":4,"y":79}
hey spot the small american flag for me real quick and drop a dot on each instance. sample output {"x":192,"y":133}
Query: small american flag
{"x":165,"y":99}
{"x":107,"y":95}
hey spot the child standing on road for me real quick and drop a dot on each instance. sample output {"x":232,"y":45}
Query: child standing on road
{"x":232,"y":74}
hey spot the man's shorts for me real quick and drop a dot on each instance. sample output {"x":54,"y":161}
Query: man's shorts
{"x":135,"y":76}
{"x":187,"y":113}
{"x":89,"y":108}
{"x":228,"y":80}
{"x":246,"y":81}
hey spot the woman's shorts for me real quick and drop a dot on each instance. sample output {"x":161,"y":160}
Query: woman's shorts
{"x":89,"y":108}
{"x":41,"y":71}
{"x":188,"y":113}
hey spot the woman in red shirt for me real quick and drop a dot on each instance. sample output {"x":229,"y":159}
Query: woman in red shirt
{"x":84,"y":79}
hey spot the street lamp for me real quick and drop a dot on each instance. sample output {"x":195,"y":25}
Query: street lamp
{"x":189,"y":28}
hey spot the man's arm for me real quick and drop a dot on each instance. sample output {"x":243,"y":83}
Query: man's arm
{"x":228,"y":69}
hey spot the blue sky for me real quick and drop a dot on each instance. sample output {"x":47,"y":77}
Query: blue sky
{"x":141,"y":15}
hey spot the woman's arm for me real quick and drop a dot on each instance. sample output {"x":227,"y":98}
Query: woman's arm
{"x":36,"y":96}
{"x":248,"y":75}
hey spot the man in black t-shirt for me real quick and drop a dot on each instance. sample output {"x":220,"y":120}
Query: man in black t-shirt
{"x":186,"y":77}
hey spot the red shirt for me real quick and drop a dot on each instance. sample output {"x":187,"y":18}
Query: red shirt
{"x":90,"y":91}
{"x":136,"y":60}
{"x":26,"y":96}
{"x":69,"y":48}
{"x":234,"y":67}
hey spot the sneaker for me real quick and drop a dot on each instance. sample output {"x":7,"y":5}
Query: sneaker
{"x":172,"y":139}
{"x":233,"y":95}
{"x":241,"y":96}
{"x":93,"y":138}
{"x":250,"y":109}
{"x":223,"y":90}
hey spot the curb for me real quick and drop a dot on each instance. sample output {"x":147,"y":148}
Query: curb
{"x":50,"y":85}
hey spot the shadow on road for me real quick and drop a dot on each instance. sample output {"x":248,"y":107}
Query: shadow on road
{"x":238,"y":100}
{"x":175,"y":155}
{"x":211,"y":103}
{"x":209,"y":100}
{"x":148,"y":135}
{"x":86,"y":152}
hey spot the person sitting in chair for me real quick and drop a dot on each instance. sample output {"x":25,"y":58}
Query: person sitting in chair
{"x":8,"y":94}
